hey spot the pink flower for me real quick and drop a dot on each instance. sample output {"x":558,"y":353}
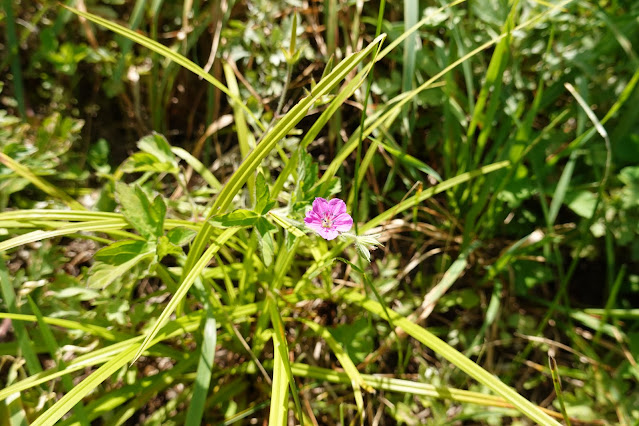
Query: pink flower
{"x":328,"y":218}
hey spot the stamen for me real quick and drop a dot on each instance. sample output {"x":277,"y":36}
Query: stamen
{"x":327,"y":221}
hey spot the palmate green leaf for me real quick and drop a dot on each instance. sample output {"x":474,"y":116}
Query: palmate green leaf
{"x":115,"y":260}
{"x":180,"y":236}
{"x":145,"y":216}
{"x":452,"y":355}
{"x":145,"y":162}
{"x":265,"y":230}
{"x":157,"y":145}
{"x":240,"y":217}
{"x":165,"y":52}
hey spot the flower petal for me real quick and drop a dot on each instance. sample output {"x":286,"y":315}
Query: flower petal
{"x":316,"y":226}
{"x":312,"y":217}
{"x":328,"y":233}
{"x":336,"y":207}
{"x":320,"y":206}
{"x":343,"y":222}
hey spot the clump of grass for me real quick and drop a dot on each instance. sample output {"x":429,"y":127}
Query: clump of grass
{"x":169,"y":288}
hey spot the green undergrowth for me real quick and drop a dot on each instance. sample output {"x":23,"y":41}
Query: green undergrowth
{"x":157,"y":161}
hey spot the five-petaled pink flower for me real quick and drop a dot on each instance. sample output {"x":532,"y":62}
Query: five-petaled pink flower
{"x":328,"y":218}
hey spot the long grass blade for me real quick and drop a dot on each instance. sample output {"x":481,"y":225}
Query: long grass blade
{"x":452,"y":355}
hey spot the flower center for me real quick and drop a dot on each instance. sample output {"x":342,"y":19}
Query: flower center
{"x":327,"y":221}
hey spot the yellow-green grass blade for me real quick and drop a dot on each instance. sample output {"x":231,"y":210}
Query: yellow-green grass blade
{"x":204,"y":369}
{"x":356,"y":380}
{"x":25,"y":344}
{"x":184,"y":287}
{"x":39,"y":183}
{"x":53,"y":348}
{"x":197,"y":165}
{"x":281,"y":346}
{"x":125,"y":353}
{"x":345,"y":93}
{"x":165,"y":52}
{"x":392,"y":384}
{"x":244,"y":137}
{"x":136,"y":392}
{"x":44,"y":214}
{"x":182,"y":325}
{"x":395,"y":105}
{"x":286,"y":124}
{"x":94,"y":226}
{"x":31,"y":216}
{"x":453,"y":356}
{"x":68,"y":401}
{"x":403,"y":206}
{"x":278,"y":414}
{"x":92,"y":329}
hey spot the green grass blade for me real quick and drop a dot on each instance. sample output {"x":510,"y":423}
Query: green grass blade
{"x":68,"y":401}
{"x":22,"y":336}
{"x":407,"y":33}
{"x":583,"y":138}
{"x":286,"y":124}
{"x":167,"y":53}
{"x":556,"y":381}
{"x":204,"y":370}
{"x":198,"y":167}
{"x":53,"y":348}
{"x":14,"y":53}
{"x":281,"y":348}
{"x":455,"y":357}
{"x":184,"y":287}
{"x":427,"y":193}
{"x":125,"y":46}
{"x":95,"y":226}
{"x":244,"y":137}
{"x":356,"y":380}
{"x":392,"y":384}
{"x":278,"y":414}
{"x":409,"y":160}
{"x":396,"y":104}
{"x":39,"y":183}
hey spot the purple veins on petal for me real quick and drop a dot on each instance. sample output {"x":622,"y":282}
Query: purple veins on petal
{"x":328,"y":218}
